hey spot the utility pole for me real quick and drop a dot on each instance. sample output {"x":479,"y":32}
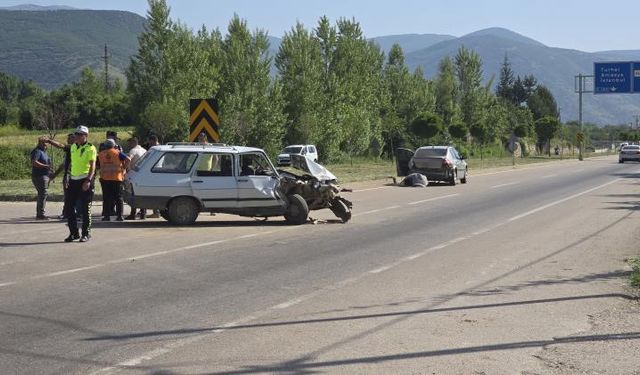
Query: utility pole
{"x":580,"y":89}
{"x":106,"y":68}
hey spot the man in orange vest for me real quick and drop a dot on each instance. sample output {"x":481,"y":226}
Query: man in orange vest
{"x":112,"y":164}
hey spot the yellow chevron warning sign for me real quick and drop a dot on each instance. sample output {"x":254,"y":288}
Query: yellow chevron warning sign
{"x":204,"y":119}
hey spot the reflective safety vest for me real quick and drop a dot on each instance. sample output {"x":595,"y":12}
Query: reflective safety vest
{"x":111,"y":168}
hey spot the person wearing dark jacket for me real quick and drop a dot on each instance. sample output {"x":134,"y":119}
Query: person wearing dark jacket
{"x":40,"y":172}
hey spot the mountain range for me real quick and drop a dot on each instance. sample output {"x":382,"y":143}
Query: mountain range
{"x":51,"y":46}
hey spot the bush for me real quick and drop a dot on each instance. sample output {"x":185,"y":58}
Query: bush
{"x":635,"y":273}
{"x":14,"y":162}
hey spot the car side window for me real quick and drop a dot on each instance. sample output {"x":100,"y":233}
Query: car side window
{"x":255,"y":165}
{"x":312,"y":149}
{"x":215,"y":165}
{"x":175,"y":162}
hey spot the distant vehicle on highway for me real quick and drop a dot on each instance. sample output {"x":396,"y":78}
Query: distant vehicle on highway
{"x":437,"y":163}
{"x":310,"y":151}
{"x":629,"y":153}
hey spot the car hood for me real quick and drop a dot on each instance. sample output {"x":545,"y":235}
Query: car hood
{"x":312,"y":168}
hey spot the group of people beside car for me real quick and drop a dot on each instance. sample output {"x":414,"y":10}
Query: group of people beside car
{"x":83,"y":162}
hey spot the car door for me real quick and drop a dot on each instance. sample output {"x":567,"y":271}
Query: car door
{"x":461,"y":165}
{"x":403,"y":156}
{"x":214,"y":182}
{"x":257,"y":181}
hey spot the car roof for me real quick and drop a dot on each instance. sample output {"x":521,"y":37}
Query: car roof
{"x":296,"y":146}
{"x":212,"y":147}
{"x":434,"y":147}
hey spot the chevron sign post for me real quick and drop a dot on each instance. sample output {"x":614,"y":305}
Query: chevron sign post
{"x":204,"y":118}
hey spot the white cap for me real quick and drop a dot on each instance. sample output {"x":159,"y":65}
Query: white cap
{"x":82,"y":129}
{"x":109,"y":142}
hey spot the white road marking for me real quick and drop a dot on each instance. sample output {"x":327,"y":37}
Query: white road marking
{"x":369,"y":189}
{"x":376,"y":211}
{"x":504,"y":185}
{"x":433,"y":199}
{"x":183,"y":342}
{"x":549,"y":176}
{"x":525,"y":214}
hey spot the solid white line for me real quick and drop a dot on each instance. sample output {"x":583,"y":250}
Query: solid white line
{"x":549,"y":176}
{"x":525,"y":214}
{"x":433,"y":199}
{"x":503,"y":185}
{"x":378,"y":210}
{"x":369,"y":189}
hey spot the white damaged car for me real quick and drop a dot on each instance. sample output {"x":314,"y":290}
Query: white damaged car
{"x":183,"y":179}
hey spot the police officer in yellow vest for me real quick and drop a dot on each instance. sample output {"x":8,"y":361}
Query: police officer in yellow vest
{"x":82,"y":171}
{"x":112,"y":164}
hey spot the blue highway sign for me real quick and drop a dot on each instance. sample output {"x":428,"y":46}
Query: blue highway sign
{"x":613,"y":78}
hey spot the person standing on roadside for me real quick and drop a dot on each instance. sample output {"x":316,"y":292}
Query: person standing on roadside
{"x":135,"y":152}
{"x":112,"y":165}
{"x":81,"y":184}
{"x":153,"y":141}
{"x":40,"y":172}
{"x":64,"y":167}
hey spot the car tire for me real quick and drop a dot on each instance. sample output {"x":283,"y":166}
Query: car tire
{"x":340,"y":209}
{"x":183,"y":211}
{"x":620,"y":161}
{"x":464,"y":179}
{"x":297,"y":210}
{"x":453,"y":179}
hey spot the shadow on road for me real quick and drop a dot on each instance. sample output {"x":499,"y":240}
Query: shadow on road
{"x":188,"y":331}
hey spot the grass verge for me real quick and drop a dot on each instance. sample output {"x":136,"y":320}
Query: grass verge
{"x":634,"y":278}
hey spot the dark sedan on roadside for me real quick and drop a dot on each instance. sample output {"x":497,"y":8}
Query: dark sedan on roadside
{"x":437,"y":163}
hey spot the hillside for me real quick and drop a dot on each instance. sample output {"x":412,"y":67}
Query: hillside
{"x":52,"y":47}
{"x":410,"y":42}
{"x":554,"y":67}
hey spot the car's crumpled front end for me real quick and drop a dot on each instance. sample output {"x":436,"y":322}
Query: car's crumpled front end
{"x":316,"y":185}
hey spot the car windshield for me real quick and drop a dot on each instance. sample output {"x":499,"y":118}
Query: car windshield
{"x":427,"y":152}
{"x":292,"y":150}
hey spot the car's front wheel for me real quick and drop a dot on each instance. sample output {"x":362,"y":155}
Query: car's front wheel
{"x":183,"y":211}
{"x":340,"y":209}
{"x":620,"y":161}
{"x":453,"y":179}
{"x":297,"y":210}
{"x":463,"y":180}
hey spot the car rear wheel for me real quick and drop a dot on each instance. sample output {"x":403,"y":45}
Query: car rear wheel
{"x":183,"y":211}
{"x":463,"y":180}
{"x":297,"y":210}
{"x":620,"y":161}
{"x":340,"y":209}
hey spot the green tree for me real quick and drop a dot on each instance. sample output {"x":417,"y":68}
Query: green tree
{"x":251,"y":109}
{"x":395,"y":111}
{"x":165,"y":120}
{"x":148,"y":71}
{"x":506,"y":81}
{"x":299,"y":64}
{"x":427,"y":126}
{"x":468,"y":65}
{"x":542,"y":103}
{"x":546,"y":129}
{"x":446,"y":92}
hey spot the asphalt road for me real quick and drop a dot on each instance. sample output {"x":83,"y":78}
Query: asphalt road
{"x":380,"y":294}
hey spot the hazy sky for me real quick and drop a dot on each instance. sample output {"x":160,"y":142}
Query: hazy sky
{"x":586,"y":25}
